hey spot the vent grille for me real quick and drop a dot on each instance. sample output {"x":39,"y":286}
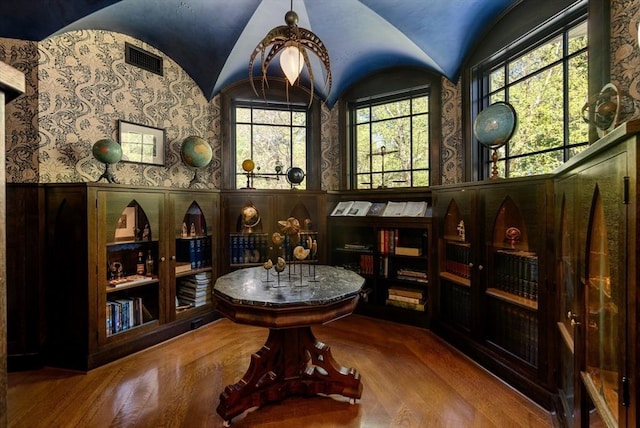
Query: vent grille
{"x":140,"y":58}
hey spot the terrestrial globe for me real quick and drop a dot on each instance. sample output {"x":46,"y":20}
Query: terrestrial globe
{"x":107,"y":151}
{"x":495,"y":125}
{"x":196,"y":152}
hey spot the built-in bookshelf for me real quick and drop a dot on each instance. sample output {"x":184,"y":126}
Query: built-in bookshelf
{"x":392,"y":252}
{"x":492,"y":303}
{"x":124,"y":293}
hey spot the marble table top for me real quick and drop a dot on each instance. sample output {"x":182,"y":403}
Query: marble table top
{"x":319,"y":285}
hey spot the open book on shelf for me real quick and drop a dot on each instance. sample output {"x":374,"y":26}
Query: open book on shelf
{"x":351,"y":208}
{"x":405,"y":209}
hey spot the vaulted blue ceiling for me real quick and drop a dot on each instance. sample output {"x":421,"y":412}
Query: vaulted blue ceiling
{"x":213,"y":39}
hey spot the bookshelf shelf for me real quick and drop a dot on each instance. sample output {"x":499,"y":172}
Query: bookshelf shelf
{"x":459,"y":280}
{"x":513,"y":299}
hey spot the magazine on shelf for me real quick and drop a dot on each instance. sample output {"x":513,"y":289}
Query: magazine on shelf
{"x":342,"y":208}
{"x":377,"y":208}
{"x":405,"y":209}
{"x":359,"y":208}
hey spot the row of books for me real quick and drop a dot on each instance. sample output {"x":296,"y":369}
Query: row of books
{"x":195,"y":251}
{"x":194,"y":291}
{"x":457,"y":257}
{"x":122,"y":314}
{"x":515,"y":330}
{"x":366,"y":264}
{"x":248,"y":248}
{"x":406,"y":298}
{"x":384,"y":209}
{"x":388,"y":244}
{"x":455,"y":304}
{"x":516,"y":272}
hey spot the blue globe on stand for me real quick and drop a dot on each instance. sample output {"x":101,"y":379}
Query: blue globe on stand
{"x":196,"y":153}
{"x":494,"y":127}
{"x":108,"y":152}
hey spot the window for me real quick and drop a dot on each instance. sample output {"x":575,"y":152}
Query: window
{"x":391,"y":140}
{"x":547,"y":84}
{"x":274,"y":138}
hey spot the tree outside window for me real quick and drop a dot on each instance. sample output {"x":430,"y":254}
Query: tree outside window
{"x":547,"y":86}
{"x":275,"y":139}
{"x":391,"y":141}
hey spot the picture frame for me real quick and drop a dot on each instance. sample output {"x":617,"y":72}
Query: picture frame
{"x":141,"y":143}
{"x":126,"y":227}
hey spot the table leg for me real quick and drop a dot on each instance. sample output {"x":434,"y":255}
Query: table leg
{"x":291,"y":362}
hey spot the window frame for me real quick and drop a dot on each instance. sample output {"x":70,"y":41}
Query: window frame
{"x":371,"y":102}
{"x":551,"y":28}
{"x":278,"y":95}
{"x":394,"y":80}
{"x":286,"y":107}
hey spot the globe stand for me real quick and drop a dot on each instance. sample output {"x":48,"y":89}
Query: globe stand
{"x":198,"y":182}
{"x":107,"y":174}
{"x":494,"y":167}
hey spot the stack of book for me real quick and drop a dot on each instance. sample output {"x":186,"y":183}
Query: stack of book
{"x":412,"y":275}
{"x":407,"y":298}
{"x":195,"y":290}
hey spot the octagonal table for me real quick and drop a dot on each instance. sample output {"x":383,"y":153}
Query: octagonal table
{"x":292,"y":361}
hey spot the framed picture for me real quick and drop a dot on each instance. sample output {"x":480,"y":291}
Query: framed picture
{"x":126,"y":227}
{"x":141,"y":144}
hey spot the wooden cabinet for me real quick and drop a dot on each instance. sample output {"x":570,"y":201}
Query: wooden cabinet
{"x":596,"y":270}
{"x":494,"y":294}
{"x":251,"y":217}
{"x":117,"y":258}
{"x":393,"y":254}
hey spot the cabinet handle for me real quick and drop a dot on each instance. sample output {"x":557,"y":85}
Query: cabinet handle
{"x":173,"y":257}
{"x":573,"y":319}
{"x":480,"y":267}
{"x":162,"y":259}
{"x":471,"y":265}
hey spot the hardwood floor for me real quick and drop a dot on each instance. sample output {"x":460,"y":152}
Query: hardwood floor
{"x":411,"y":378}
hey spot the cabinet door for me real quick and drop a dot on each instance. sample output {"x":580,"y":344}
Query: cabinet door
{"x":567,"y":277}
{"x":601,"y":341}
{"x":194,"y":233}
{"x":456,"y":216}
{"x":129,"y":229}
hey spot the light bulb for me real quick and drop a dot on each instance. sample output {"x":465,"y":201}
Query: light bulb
{"x":291,"y":62}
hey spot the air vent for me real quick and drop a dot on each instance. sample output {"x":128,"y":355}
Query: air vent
{"x":140,"y":58}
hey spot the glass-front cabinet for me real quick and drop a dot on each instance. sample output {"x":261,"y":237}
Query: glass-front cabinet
{"x":492,"y":294}
{"x":596,"y":272}
{"x":136,"y":267}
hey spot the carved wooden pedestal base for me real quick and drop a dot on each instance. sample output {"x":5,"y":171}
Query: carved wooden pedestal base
{"x":291,"y":362}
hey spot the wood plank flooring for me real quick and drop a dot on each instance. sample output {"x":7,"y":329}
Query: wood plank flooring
{"x":411,"y":379}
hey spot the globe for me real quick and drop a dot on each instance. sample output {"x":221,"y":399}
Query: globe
{"x":495,"y":125}
{"x":196,"y":152}
{"x":107,"y":151}
{"x":248,"y":165}
{"x":295,"y":175}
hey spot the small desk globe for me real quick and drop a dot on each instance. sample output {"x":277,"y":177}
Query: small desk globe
{"x":494,"y":127}
{"x":108,"y":152}
{"x":196,"y":153}
{"x":295,"y":176}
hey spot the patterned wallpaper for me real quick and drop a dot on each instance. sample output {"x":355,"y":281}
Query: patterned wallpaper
{"x":625,"y":52}
{"x":452,"y":150}
{"x":78,"y":86}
